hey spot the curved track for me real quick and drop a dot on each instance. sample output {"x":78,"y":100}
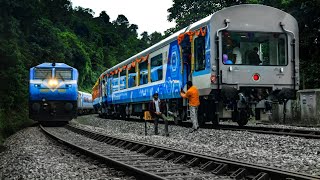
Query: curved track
{"x":158,"y":162}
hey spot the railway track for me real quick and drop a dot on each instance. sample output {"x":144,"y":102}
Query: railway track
{"x":158,"y":162}
{"x":311,"y":134}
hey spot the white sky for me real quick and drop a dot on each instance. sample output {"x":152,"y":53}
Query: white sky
{"x":149,"y":15}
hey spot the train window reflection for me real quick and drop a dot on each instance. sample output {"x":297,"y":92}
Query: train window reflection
{"x":156,"y":68}
{"x":143,"y":68}
{"x":42,"y":73}
{"x":254,"y":48}
{"x":63,"y":74}
{"x":199,"y":53}
{"x":115,"y":83}
{"x":123,"y":79}
{"x":131,"y":77}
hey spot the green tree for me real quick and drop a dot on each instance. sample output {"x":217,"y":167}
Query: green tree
{"x":155,"y":37}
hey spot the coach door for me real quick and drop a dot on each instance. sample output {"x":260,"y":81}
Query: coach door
{"x":185,"y":42}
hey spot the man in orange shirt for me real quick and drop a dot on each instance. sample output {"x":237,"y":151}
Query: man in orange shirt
{"x":193,"y":95}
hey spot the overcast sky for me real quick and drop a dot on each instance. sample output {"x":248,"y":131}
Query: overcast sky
{"x":149,"y":15}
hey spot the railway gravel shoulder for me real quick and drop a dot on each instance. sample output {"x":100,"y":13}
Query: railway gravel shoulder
{"x":209,"y":166}
{"x":290,"y":153}
{"x":30,"y":154}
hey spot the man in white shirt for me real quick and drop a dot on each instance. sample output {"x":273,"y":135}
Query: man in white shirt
{"x":237,"y":55}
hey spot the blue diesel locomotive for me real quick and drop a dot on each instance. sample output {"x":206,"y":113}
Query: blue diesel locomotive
{"x":240,"y":58}
{"x":53,"y":92}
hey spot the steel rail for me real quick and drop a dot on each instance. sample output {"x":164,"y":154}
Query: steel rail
{"x":310,"y":134}
{"x":110,"y":161}
{"x":216,"y":165}
{"x":303,"y":133}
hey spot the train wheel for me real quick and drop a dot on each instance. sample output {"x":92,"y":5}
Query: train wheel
{"x":243,"y":117}
{"x":214,"y":121}
{"x":182,"y":115}
{"x":211,"y":113}
{"x":201,"y":120}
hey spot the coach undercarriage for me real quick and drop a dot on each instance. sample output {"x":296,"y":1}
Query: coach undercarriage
{"x":240,"y":105}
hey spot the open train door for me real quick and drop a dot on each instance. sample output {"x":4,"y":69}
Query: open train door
{"x":185,"y":44}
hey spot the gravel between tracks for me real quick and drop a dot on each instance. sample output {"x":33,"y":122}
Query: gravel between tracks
{"x":291,"y":153}
{"x":106,"y":150}
{"x":32,"y":155}
{"x":260,"y":124}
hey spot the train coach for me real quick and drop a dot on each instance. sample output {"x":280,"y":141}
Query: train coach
{"x":85,"y":105}
{"x":53,"y":92}
{"x":240,"y":58}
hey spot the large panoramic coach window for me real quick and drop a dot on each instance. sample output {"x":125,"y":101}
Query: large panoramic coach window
{"x":123,"y":79}
{"x":115,"y":83}
{"x":64,"y":74}
{"x":156,"y":68}
{"x":143,"y":68}
{"x":254,"y":48}
{"x":131,"y":77}
{"x":42,"y":73}
{"x":199,"y":53}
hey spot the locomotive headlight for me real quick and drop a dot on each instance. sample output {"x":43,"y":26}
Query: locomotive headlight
{"x":53,"y":82}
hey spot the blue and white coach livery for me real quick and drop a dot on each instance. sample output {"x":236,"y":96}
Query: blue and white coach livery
{"x":85,"y":105}
{"x":53,"y":92}
{"x":240,"y":58}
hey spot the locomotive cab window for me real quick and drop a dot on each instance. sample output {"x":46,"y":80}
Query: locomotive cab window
{"x":156,"y":68}
{"x":42,"y":73}
{"x":143,"y":71}
{"x":254,"y":48}
{"x":199,"y":53}
{"x":63,"y":74}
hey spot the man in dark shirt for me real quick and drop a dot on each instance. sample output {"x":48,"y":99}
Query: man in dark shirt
{"x":254,"y":57}
{"x":157,"y":109}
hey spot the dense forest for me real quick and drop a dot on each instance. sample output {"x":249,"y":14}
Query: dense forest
{"x":32,"y":32}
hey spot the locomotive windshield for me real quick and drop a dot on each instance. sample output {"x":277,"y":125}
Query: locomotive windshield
{"x":63,"y":74}
{"x":254,"y":48}
{"x":42,"y":73}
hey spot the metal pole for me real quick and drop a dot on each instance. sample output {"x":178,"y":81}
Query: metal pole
{"x":145,"y":127}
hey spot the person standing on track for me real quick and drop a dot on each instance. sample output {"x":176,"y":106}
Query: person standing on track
{"x":157,"y":109}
